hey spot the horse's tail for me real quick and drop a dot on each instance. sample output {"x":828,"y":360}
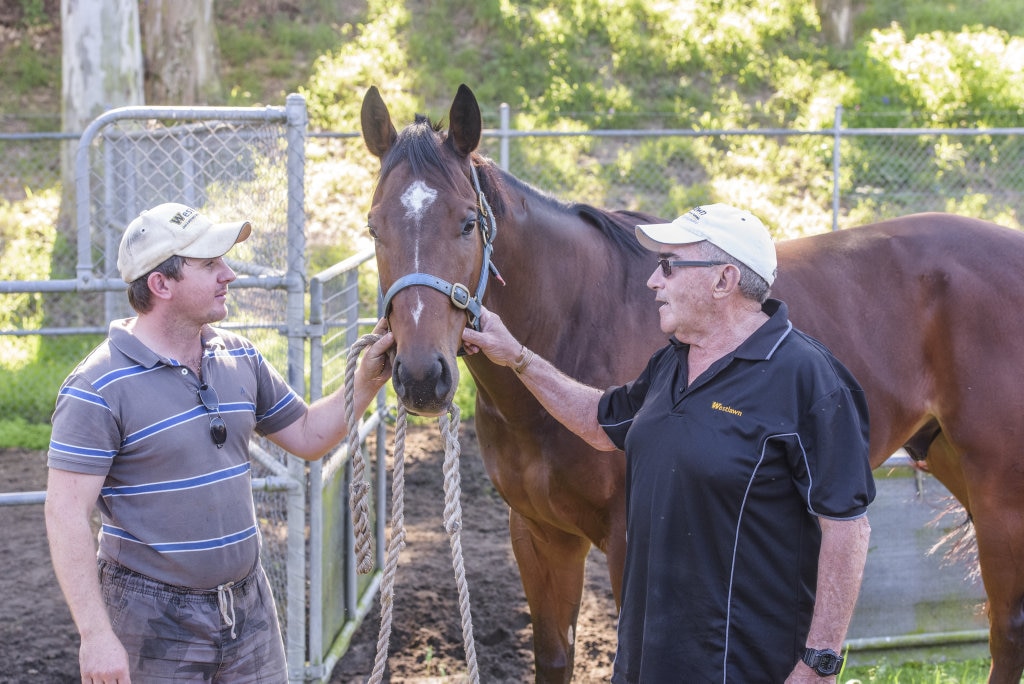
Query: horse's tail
{"x":960,"y":544}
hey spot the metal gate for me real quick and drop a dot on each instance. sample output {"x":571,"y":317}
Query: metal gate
{"x":234,"y":163}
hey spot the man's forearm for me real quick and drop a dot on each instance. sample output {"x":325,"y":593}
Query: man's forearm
{"x":844,"y":551}
{"x":73,"y":554}
{"x":70,"y":498}
{"x":570,"y":402}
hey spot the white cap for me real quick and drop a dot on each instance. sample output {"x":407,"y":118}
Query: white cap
{"x":173,"y":229}
{"x":737,"y":232}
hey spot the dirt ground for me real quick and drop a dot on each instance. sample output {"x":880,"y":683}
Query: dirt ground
{"x":38,"y":641}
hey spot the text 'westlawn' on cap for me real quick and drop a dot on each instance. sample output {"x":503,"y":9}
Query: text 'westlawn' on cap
{"x":173,"y":229}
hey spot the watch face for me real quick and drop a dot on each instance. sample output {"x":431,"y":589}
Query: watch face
{"x":829,"y":663}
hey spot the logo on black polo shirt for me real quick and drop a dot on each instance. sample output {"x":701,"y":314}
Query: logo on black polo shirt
{"x":719,"y":406}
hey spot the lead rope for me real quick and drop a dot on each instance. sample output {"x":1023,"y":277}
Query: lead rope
{"x":359,"y":489}
{"x":449,"y":426}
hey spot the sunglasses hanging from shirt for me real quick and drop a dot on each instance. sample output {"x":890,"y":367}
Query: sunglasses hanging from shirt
{"x":210,"y":401}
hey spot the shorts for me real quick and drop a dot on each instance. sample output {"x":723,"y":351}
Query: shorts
{"x":174,"y":634}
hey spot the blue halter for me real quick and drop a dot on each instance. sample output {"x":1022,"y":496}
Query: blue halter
{"x":457,"y":293}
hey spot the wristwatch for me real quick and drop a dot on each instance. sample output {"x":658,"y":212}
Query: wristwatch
{"x":825,"y":662}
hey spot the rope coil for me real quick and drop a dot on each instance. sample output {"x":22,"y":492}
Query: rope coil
{"x":448,"y":424}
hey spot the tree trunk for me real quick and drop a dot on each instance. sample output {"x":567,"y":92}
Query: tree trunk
{"x":180,"y":51}
{"x":837,"y":21}
{"x":101,"y":68}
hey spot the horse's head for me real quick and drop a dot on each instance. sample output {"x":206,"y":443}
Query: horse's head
{"x":432,"y":232}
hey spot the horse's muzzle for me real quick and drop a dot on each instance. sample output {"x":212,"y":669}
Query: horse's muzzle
{"x":424,"y":388}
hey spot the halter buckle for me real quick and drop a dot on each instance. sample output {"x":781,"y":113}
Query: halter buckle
{"x":460,"y":296}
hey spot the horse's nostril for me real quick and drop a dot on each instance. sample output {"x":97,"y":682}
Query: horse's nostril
{"x":444,"y":380}
{"x":397,"y":372}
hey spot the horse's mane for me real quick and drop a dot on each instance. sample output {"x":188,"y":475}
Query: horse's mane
{"x":615,"y":226}
{"x":420,"y":142}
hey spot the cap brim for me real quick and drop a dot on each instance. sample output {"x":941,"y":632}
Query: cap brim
{"x":655,"y":237}
{"x":217,"y":240}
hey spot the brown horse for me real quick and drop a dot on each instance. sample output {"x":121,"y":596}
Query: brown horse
{"x":919,"y":308}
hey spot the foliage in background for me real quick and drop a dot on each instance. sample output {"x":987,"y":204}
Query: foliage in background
{"x":733,"y":64}
{"x":29,"y":370}
{"x":590,"y":64}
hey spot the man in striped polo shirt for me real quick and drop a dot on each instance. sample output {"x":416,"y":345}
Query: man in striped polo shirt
{"x":153,"y":428}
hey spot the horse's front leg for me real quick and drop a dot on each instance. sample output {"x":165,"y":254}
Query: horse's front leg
{"x":551,"y":566}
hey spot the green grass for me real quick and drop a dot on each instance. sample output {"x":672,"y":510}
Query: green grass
{"x":17,"y":434}
{"x":960,"y":672}
{"x":266,"y":53}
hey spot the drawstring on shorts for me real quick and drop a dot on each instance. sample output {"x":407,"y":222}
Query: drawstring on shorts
{"x":226,"y":603}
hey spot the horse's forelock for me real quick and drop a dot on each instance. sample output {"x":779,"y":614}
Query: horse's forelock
{"x":419,"y":144}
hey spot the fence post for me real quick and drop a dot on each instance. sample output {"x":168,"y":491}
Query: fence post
{"x":295,"y":317}
{"x":836,"y":141}
{"x":503,"y":111}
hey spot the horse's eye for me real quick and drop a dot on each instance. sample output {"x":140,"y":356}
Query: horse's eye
{"x":469,"y":226}
{"x":372,"y":232}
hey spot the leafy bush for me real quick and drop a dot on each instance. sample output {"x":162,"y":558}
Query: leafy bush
{"x":584,"y":64}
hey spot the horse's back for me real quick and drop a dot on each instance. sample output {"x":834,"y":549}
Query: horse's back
{"x":922,"y":265}
{"x":918,"y":243}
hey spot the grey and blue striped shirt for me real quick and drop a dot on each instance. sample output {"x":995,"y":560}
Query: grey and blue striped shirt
{"x":173,"y":506}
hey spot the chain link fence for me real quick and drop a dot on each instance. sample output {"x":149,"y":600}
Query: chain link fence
{"x":836,"y":177}
{"x":800,"y":182}
{"x":307,"y":197}
{"x":231,"y":163}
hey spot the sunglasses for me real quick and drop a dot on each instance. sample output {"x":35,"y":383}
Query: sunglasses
{"x":218,"y":428}
{"x":667,"y":265}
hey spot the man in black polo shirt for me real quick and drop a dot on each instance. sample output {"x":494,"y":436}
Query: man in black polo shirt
{"x":747,"y":476}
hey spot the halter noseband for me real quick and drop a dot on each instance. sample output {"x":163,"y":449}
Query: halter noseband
{"x":457,"y":293}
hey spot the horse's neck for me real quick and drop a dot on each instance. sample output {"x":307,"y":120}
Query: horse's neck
{"x":572,"y":296}
{"x":545,"y":275}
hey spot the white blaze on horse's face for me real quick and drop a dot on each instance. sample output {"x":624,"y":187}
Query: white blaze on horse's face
{"x":416,"y":199}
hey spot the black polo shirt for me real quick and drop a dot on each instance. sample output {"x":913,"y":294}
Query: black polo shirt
{"x":725,"y":480}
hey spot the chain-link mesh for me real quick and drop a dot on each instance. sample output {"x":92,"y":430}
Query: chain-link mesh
{"x":272,"y":516}
{"x":977,"y":175}
{"x":880,"y":174}
{"x":236,"y":169}
{"x":229,"y":171}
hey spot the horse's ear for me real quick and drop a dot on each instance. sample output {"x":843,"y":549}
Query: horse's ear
{"x":378,"y":131}
{"x":465,"y":124}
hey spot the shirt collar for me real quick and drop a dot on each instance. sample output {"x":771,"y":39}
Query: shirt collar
{"x":129,"y":345}
{"x":765,"y":340}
